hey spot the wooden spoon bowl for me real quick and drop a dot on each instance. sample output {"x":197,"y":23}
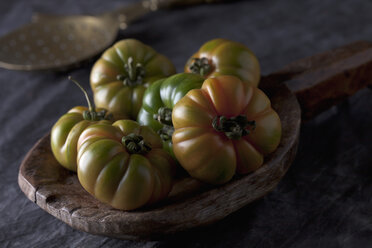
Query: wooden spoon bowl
{"x":192,"y":203}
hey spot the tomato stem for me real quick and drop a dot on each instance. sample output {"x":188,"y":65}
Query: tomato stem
{"x":234,"y":127}
{"x":164,"y":116}
{"x":166,"y":132}
{"x":200,"y":66}
{"x":91,"y":114}
{"x":133,"y":73}
{"x":90,"y":106}
{"x":135,"y":144}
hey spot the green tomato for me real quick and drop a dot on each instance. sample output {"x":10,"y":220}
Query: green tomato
{"x":223,"y":57}
{"x":124,"y":165}
{"x":122,"y":74}
{"x":67,"y":130}
{"x":159,"y":100}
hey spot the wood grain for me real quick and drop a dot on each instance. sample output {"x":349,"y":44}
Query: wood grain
{"x":189,"y":205}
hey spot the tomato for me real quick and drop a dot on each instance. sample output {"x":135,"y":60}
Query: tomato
{"x":223,"y":57}
{"x":225,"y":127}
{"x":124,"y":165}
{"x":67,"y":130}
{"x":159,"y":100}
{"x":122,"y":74}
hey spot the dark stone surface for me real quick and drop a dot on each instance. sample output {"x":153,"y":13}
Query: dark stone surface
{"x":324,"y":200}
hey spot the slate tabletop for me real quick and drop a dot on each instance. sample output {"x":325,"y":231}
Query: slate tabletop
{"x":325,"y":199}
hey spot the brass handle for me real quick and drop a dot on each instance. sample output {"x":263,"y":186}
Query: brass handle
{"x":134,"y":11}
{"x":181,"y":3}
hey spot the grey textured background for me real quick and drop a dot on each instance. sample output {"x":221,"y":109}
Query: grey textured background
{"x":325,"y":200}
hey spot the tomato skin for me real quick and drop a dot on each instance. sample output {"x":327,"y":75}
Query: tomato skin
{"x":108,"y":171}
{"x":166,"y":93}
{"x":65,"y":134}
{"x":228,"y":58}
{"x":210,"y":155}
{"x":110,"y":92}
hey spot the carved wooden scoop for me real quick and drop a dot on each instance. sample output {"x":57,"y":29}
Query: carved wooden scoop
{"x":318,"y":82}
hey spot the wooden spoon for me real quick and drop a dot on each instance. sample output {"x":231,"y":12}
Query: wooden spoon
{"x":318,"y":82}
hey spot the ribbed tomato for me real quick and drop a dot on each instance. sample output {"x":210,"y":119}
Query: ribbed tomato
{"x":124,"y":165}
{"x":122,"y":74}
{"x":224,"y":57}
{"x":225,"y":127}
{"x":67,"y":130}
{"x":158,"y":102}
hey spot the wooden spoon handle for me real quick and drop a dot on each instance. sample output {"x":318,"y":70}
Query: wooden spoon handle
{"x":323,"y":80}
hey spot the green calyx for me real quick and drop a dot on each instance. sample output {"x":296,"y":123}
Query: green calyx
{"x":134,"y":74}
{"x":164,"y":116}
{"x":166,"y":132}
{"x":200,"y":66}
{"x":92,"y":114}
{"x":234,"y":127}
{"x":96,"y":116}
{"x":135,"y":144}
